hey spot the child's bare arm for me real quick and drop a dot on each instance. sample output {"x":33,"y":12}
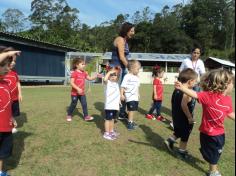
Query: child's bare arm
{"x":232,"y":115}
{"x":107,"y":75}
{"x":122,"y":96}
{"x":189,"y":92}
{"x":184,"y":104}
{"x":154,"y":92}
{"x":5,"y":55}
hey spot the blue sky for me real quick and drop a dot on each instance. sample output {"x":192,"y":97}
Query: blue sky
{"x":94,"y":12}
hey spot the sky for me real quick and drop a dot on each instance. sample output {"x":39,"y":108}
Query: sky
{"x":94,"y":12}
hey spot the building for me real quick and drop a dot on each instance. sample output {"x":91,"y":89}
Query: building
{"x":169,"y":62}
{"x":39,"y":61}
{"x":214,"y":63}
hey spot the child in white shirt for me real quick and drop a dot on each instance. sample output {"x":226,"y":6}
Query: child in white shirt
{"x":130,"y":91}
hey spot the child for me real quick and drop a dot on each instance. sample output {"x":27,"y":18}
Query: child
{"x":157,"y":73}
{"x":6,"y":125}
{"x":78,"y":77}
{"x":130,"y":91}
{"x":15,"y":88}
{"x":112,"y":102}
{"x":216,"y":103}
{"x":182,"y":113}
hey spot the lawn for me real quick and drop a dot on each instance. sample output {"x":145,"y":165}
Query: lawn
{"x":48,"y":145}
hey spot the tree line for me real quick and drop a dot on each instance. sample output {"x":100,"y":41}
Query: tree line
{"x":208,"y":23}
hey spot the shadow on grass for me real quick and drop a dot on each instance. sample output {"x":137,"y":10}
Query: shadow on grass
{"x":157,"y":141}
{"x":18,"y":148}
{"x":99,"y":119}
{"x":21,"y":119}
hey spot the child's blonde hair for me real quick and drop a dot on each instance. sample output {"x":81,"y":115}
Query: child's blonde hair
{"x":216,"y":80}
{"x":132,"y":63}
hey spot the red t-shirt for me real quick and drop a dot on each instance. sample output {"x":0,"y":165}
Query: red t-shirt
{"x":13,"y":79}
{"x":159,"y":89}
{"x":216,"y":107}
{"x":79,"y":80}
{"x":5,"y":107}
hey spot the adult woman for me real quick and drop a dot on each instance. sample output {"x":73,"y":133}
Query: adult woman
{"x":195,"y":63}
{"x":120,"y":54}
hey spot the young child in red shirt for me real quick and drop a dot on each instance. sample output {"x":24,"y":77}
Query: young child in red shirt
{"x":15,"y":88}
{"x":78,"y":78}
{"x":6,"y":123}
{"x":157,"y":73}
{"x":216,"y":103}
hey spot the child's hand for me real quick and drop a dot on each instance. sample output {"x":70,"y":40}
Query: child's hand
{"x":122,"y":97}
{"x":178,"y":85}
{"x":191,"y":121}
{"x":99,"y":75}
{"x":155,"y":97}
{"x":79,"y":90}
{"x":13,"y":53}
{"x":14,"y":123}
{"x":20,"y":98}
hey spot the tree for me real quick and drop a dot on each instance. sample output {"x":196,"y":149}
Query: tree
{"x":13,"y":20}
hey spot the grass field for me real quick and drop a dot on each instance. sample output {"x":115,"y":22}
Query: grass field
{"x":48,"y":145}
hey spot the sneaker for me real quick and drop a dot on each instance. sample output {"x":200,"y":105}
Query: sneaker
{"x":4,"y":174}
{"x":123,"y":117}
{"x":88,"y":118}
{"x":131,"y":126}
{"x":172,"y":125}
{"x":216,"y":173}
{"x":68,"y":118}
{"x":183,"y":154}
{"x":169,"y":144}
{"x":161,"y":118}
{"x":150,"y":116}
{"x":14,"y":130}
{"x":115,"y":133}
{"x":108,"y":136}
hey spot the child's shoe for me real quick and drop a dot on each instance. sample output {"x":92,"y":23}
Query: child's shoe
{"x":4,"y":174}
{"x":68,"y":118}
{"x":172,"y":125}
{"x":216,"y":173}
{"x":150,"y":116}
{"x":108,"y":136}
{"x":115,"y":133}
{"x":161,"y":118}
{"x":169,"y":144}
{"x":183,"y":154}
{"x":123,"y":116}
{"x":14,"y":130}
{"x":88,"y":118}
{"x":131,"y":126}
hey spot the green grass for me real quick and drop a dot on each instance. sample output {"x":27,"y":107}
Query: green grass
{"x":48,"y":145}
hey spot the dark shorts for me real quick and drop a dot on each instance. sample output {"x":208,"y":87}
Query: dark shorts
{"x":183,"y":132}
{"x":15,"y":108}
{"x":110,"y":114}
{"x":6,"y":144}
{"x":211,"y":147}
{"x":132,"y":105}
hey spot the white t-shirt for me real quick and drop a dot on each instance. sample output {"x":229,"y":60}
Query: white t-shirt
{"x":197,"y":66}
{"x":112,"y":96}
{"x":131,"y":85}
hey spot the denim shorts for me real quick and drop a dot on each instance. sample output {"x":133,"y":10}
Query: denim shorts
{"x":6,"y":144}
{"x":132,"y":105}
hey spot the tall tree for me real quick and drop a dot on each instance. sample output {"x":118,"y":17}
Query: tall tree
{"x":13,"y":20}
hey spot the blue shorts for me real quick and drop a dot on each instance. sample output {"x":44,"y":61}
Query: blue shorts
{"x":6,"y":144}
{"x":15,"y":108}
{"x":211,"y":147}
{"x":132,"y":105}
{"x":110,"y":114}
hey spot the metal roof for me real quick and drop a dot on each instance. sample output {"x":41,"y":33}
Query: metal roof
{"x":84,"y":54}
{"x":223,"y":62}
{"x":10,"y":37}
{"x":153,"y":57}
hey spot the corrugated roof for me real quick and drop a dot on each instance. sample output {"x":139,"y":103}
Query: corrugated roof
{"x":223,"y":62}
{"x":10,"y":37}
{"x":153,"y":57}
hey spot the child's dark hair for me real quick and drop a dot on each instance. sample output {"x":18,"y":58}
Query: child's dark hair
{"x":186,"y":75}
{"x":216,"y":80}
{"x":125,"y":28}
{"x":156,"y":70}
{"x":76,"y":61}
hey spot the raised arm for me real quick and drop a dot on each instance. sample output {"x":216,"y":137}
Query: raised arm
{"x":189,"y":92}
{"x":5,"y":55}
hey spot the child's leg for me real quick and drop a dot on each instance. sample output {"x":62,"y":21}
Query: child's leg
{"x":152,"y":108}
{"x":1,"y":165}
{"x":107,"y":126}
{"x":83,"y":102}
{"x":213,"y":167}
{"x":158,"y":107}
{"x":111,"y":126}
{"x":131,"y":116}
{"x":183,"y":145}
{"x":73,"y":104}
